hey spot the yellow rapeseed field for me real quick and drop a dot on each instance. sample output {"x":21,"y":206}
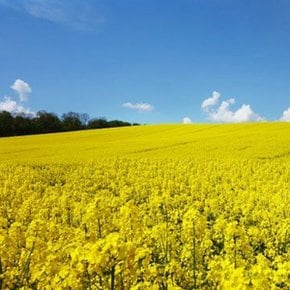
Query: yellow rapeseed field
{"x":149,"y":207}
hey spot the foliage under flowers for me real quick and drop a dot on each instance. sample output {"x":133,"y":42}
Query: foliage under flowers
{"x":146,"y":223}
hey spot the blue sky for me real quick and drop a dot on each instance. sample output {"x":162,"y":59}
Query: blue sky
{"x":147,"y":61}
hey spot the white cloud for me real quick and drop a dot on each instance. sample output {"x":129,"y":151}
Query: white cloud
{"x":286,"y":115}
{"x":211,"y":101}
{"x":22,"y":88}
{"x":74,"y":13}
{"x":8,"y":105}
{"x":223,"y":112}
{"x":186,"y":120}
{"x":141,"y":107}
{"x":14,"y":107}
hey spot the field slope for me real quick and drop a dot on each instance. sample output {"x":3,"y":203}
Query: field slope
{"x":246,"y":141}
{"x":165,"y":207}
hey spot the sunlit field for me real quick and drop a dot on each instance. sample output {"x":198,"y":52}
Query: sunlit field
{"x":147,"y":207}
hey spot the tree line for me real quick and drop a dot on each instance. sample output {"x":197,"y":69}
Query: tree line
{"x":45,"y":122}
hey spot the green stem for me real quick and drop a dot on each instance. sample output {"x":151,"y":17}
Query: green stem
{"x":194,"y":256}
{"x":113,"y":278}
{"x":235,"y":252}
{"x":1,"y":272}
{"x":25,"y":269}
{"x":99,"y":229}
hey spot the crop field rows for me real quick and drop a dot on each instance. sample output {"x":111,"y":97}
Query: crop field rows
{"x":149,"y":207}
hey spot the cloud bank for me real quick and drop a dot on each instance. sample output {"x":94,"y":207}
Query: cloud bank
{"x":286,"y":115}
{"x":222,"y":112}
{"x":13,"y":107}
{"x":74,"y":13}
{"x":23,"y":90}
{"x":140,"y":107}
{"x":212,"y":101}
{"x":186,"y":120}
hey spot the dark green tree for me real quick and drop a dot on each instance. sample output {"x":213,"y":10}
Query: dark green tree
{"x":47,"y":122}
{"x":98,"y":123}
{"x":23,"y":125}
{"x":6,"y":124}
{"x":117,"y":123}
{"x":71,"y":121}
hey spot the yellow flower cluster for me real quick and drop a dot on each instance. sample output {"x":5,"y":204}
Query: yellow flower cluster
{"x":142,"y":222}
